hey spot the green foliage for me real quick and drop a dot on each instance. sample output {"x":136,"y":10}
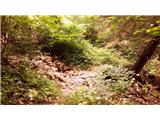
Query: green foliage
{"x":47,"y":25}
{"x":152,"y":67}
{"x":69,"y":44}
{"x":90,"y":26}
{"x":118,"y":78}
{"x":83,"y":96}
{"x":74,"y":52}
{"x":20,"y":34}
{"x":81,"y":53}
{"x":155,"y":31}
{"x":77,"y":40}
{"x":17,"y":35}
{"x":23,"y":86}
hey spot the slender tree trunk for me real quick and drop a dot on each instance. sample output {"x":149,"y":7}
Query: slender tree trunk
{"x":146,"y":55}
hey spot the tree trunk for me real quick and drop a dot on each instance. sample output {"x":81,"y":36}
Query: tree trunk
{"x":146,"y":54}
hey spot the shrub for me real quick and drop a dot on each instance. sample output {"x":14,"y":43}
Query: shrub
{"x":73,"y":52}
{"x":81,"y":52}
{"x":23,"y":86}
{"x":118,"y":78}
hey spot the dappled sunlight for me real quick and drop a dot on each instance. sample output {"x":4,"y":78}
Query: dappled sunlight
{"x":80,"y":60}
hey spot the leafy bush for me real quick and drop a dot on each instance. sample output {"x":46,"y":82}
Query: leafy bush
{"x":152,"y":67}
{"x":73,"y":52}
{"x":155,"y":31}
{"x":118,"y":78}
{"x":23,"y":86}
{"x":81,"y":52}
{"x":18,"y":35}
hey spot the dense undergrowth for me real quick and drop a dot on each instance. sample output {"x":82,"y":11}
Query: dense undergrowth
{"x":81,"y":42}
{"x":81,"y":53}
{"x":22,"y":85}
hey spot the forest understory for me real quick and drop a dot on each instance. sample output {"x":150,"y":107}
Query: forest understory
{"x":80,"y":60}
{"x":73,"y":80}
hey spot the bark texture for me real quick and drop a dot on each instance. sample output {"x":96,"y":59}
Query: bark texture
{"x":146,"y":54}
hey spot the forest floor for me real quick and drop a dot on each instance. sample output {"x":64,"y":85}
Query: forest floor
{"x":70,"y":79}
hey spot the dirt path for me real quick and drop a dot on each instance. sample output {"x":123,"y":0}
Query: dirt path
{"x":69,"y":80}
{"x":82,"y":78}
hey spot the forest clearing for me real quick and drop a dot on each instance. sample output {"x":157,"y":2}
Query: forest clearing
{"x":80,"y":60}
